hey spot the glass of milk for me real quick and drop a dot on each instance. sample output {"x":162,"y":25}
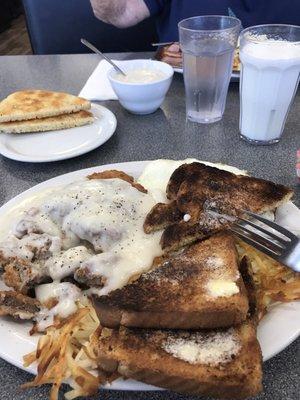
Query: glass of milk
{"x":270,"y":68}
{"x":208,"y":43}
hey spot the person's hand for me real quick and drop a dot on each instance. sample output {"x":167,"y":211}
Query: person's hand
{"x":108,"y":10}
{"x":121,"y":13}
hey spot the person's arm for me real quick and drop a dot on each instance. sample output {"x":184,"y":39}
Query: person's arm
{"x":120,"y":13}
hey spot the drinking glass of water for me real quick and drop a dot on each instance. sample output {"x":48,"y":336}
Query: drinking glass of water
{"x":270,"y":58}
{"x":208,"y":43}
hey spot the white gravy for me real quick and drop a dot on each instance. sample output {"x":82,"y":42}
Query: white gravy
{"x":66,"y":294}
{"x":141,"y":75}
{"x":66,"y":262}
{"x":96,"y":225}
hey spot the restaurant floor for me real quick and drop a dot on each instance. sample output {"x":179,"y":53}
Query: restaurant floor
{"x":15,"y":40}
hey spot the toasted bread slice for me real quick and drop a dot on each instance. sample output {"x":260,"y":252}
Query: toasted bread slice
{"x":199,"y":189}
{"x":207,"y":187}
{"x":225,"y":364}
{"x":247,"y":274}
{"x":199,"y":288}
{"x":18,"y":305}
{"x":64,"y":121}
{"x":32,"y":104}
{"x":183,"y":233}
{"x":161,"y":216}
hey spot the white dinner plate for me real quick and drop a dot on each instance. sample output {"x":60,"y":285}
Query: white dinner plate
{"x":235,"y":76}
{"x":277,"y":330}
{"x":60,"y":144}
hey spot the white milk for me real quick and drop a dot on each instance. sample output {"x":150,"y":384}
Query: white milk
{"x":269,"y":79}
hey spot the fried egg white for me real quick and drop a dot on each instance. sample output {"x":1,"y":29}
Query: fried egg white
{"x":157,"y":173}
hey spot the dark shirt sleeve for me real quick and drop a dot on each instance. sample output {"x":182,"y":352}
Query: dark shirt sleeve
{"x":155,"y":6}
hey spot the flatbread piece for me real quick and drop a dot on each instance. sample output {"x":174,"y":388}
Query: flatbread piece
{"x":48,"y":124}
{"x":32,"y":104}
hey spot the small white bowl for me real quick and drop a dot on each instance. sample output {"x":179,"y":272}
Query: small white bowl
{"x":142,"y":98}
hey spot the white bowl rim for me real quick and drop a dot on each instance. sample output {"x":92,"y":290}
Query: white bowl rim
{"x":170,"y":75}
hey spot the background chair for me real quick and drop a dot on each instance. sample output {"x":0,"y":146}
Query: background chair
{"x":9,"y":9}
{"x":56,"y":26}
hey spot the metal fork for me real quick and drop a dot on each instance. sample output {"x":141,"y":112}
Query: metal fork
{"x":280,"y":244}
{"x":161,"y":44}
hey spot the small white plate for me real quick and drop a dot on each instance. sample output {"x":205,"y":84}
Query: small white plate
{"x":279,"y":328}
{"x":61,"y":144}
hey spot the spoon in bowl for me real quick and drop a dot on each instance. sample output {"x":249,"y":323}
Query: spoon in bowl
{"x":95,"y":50}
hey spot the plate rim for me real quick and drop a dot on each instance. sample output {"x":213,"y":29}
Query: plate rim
{"x":129,"y":166}
{"x":110,"y":119}
{"x":235,"y":75}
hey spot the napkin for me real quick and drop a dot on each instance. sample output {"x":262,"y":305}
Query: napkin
{"x":98,"y":86}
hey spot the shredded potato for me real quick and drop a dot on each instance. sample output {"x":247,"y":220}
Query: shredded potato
{"x":274,"y":282}
{"x":68,"y":353}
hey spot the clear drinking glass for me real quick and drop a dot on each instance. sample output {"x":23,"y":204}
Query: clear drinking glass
{"x":270,"y":68}
{"x":208,"y":43}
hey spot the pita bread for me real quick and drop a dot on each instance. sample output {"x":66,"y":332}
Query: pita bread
{"x":48,"y":124}
{"x":32,"y":104}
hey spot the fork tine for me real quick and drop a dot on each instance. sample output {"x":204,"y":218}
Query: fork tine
{"x":261,"y":229}
{"x":262,"y":239}
{"x":273,"y":225}
{"x":255,"y":244}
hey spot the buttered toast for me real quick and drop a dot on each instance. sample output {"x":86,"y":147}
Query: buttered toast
{"x":199,"y":288}
{"x":225,"y":364}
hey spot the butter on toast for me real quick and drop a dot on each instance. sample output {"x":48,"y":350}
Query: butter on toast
{"x":225,"y":364}
{"x":199,"y":288}
{"x":198,"y":189}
